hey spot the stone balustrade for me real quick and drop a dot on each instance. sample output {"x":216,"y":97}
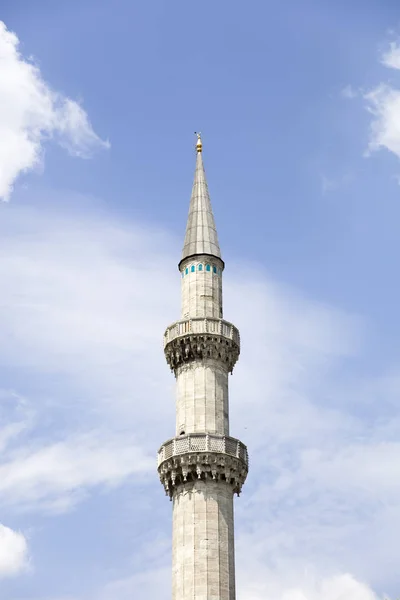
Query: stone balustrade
{"x":201,"y":326}
{"x":202,"y":442}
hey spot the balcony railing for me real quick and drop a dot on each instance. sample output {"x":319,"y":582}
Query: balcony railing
{"x":203,"y":442}
{"x":201,"y":326}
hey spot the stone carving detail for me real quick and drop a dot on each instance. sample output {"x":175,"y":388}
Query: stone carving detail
{"x":202,"y":456}
{"x":199,"y":338}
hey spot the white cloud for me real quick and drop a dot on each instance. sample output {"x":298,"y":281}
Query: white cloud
{"x":73,"y":311}
{"x":349,"y":92}
{"x":74,"y":130}
{"x":391,"y":58}
{"x":53,"y":477}
{"x":329,"y":184}
{"x":270,"y":585}
{"x":30,"y":113}
{"x":13,"y":552}
{"x":384,"y":104}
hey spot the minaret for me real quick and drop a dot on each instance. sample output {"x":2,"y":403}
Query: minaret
{"x":202,"y":467}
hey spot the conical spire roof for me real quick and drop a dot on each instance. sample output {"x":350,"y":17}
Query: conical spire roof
{"x":201,"y":234}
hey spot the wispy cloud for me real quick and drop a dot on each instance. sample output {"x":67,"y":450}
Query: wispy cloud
{"x":330,"y":184}
{"x":383,"y":102}
{"x":53,"y":477}
{"x":31,"y":113}
{"x":280,"y":585}
{"x":391,"y":58}
{"x":349,"y":92}
{"x":13,"y":552}
{"x":74,"y":315}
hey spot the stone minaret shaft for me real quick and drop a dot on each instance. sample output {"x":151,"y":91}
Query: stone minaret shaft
{"x":202,"y":466}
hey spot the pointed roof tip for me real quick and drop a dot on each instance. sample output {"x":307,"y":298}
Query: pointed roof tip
{"x":201,"y":234}
{"x":199,"y":144}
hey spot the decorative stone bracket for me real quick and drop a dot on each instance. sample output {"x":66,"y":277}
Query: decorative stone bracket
{"x":202,"y":456}
{"x":199,"y":338}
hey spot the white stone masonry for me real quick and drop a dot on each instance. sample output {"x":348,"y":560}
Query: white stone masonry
{"x":203,"y":561}
{"x":202,"y":402}
{"x":201,"y":286}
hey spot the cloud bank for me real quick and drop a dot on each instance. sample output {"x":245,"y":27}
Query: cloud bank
{"x":81,"y":333}
{"x":32,"y":113}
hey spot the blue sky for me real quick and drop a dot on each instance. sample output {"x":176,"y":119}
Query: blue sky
{"x":299,"y":105}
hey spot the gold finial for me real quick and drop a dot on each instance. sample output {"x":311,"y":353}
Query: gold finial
{"x":199,"y":144}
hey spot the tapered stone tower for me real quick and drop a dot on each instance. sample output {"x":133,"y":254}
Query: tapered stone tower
{"x":202,"y":467}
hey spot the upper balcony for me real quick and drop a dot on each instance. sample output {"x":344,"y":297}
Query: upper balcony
{"x":201,"y":338}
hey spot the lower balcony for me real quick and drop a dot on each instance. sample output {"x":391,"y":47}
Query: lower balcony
{"x":203,"y":456}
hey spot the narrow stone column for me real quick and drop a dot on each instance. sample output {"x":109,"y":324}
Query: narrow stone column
{"x":203,"y":561}
{"x":202,"y":402}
